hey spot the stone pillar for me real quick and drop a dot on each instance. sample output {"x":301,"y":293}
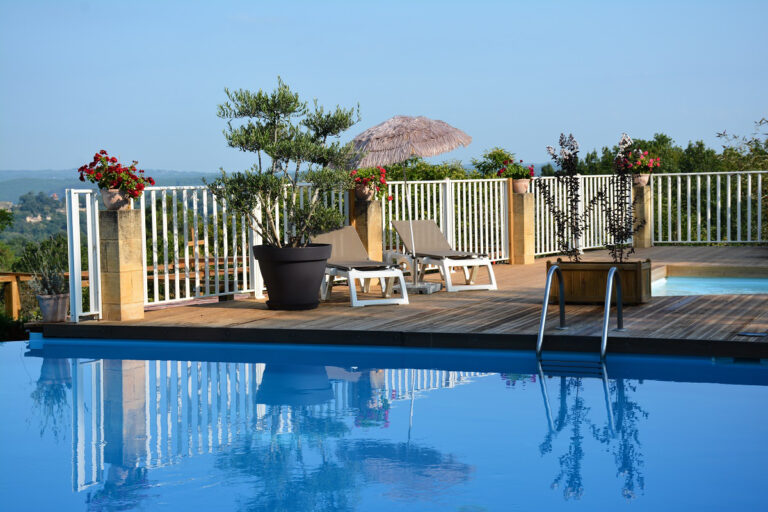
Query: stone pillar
{"x":124,"y":412}
{"x":521,"y":218}
{"x":365,"y":216}
{"x":643,"y":211}
{"x":122,"y":276}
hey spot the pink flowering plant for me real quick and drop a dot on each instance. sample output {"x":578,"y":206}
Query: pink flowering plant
{"x":107,"y":172}
{"x":372,"y":179}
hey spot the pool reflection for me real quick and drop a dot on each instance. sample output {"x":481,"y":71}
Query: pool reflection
{"x":290,"y":435}
{"x":285,"y":427}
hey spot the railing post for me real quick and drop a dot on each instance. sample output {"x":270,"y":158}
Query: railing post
{"x":643,"y":201}
{"x":520,"y":226}
{"x":122,"y":272}
{"x":366,"y":217}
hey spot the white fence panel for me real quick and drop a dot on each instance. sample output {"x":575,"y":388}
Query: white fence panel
{"x":595,"y":236}
{"x":707,"y":207}
{"x":472,"y":214}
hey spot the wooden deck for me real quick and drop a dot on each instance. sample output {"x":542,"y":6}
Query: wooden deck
{"x":506,"y":318}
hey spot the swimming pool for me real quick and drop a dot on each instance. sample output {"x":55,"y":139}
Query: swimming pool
{"x":124,"y":425}
{"x":708,"y":286}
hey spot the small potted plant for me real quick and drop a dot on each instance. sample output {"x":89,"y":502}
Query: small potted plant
{"x":370,"y":183}
{"x":47,"y":261}
{"x":521,"y":176}
{"x":118,"y":184}
{"x":640,"y":165}
{"x":301,"y":149}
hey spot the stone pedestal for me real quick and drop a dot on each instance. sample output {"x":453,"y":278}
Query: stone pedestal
{"x":643,"y":211}
{"x":122,"y":276}
{"x":366,"y":218}
{"x":521,"y":248}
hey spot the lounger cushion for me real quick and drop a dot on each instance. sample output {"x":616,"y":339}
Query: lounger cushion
{"x":359,"y":265}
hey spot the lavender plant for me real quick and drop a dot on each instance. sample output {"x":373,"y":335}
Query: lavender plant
{"x":621,"y":223}
{"x":570,"y":220}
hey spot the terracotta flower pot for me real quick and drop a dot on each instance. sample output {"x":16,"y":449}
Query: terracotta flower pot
{"x":115,"y":199}
{"x":364,"y":192}
{"x":641,"y":180}
{"x":521,"y":186}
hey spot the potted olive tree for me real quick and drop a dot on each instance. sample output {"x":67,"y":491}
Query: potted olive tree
{"x":300,"y":147}
{"x":47,"y":262}
{"x":585,"y":282}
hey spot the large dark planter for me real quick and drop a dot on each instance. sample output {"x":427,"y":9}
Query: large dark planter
{"x":585,"y":281}
{"x":292,"y":275}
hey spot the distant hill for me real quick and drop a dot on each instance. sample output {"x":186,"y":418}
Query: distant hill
{"x":14,"y":184}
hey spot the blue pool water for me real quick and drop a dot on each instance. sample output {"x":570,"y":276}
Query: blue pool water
{"x":171,"y":426}
{"x":708,"y":286}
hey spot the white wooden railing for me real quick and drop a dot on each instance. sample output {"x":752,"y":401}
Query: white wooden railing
{"x":82,"y":207}
{"x":545,"y":233}
{"x":472,"y":214}
{"x":194,"y":247}
{"x":707,"y":207}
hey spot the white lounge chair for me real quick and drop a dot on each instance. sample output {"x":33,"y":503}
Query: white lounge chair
{"x":433,"y":249}
{"x":350,"y":260}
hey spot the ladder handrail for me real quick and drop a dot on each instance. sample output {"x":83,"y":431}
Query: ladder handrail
{"x":561,"y":297}
{"x":613,"y":277}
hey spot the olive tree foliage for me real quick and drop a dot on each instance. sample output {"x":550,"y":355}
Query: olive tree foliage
{"x":301,"y":145}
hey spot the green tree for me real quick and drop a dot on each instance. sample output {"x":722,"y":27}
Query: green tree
{"x":301,"y":146}
{"x":493,"y":160}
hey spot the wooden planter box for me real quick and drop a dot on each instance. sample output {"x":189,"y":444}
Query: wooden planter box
{"x":585,"y":282}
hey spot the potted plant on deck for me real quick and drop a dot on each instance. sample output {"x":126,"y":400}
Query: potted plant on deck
{"x":118,"y":184}
{"x":521,"y":176}
{"x":47,"y":261}
{"x":585,"y":282}
{"x":300,"y":146}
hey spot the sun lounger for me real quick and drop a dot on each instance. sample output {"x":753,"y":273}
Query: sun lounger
{"x":433,"y":249}
{"x":350,"y":260}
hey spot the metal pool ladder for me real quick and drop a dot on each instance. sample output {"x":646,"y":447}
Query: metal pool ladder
{"x":561,"y":299}
{"x":613,"y":277}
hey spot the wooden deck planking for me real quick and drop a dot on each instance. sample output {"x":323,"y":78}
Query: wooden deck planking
{"x":514,"y":309}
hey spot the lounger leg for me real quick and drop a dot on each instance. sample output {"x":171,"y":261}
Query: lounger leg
{"x":386,"y":289}
{"x":472,"y":275}
{"x":491,"y":275}
{"x":446,"y":271}
{"x":325,"y":287}
{"x":382,"y":284}
{"x":467,"y":277}
{"x":403,"y":288}
{"x":353,"y":292}
{"x":366,"y":285}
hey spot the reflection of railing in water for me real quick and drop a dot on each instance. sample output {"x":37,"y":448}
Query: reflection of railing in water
{"x":156,"y":412}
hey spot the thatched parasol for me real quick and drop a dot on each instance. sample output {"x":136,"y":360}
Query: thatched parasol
{"x":401,"y":137}
{"x":398,"y":139}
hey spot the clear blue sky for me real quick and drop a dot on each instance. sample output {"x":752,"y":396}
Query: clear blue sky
{"x":142,"y":79}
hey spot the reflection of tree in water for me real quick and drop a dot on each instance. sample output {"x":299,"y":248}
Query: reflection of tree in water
{"x":316,"y":467}
{"x":626,"y":449}
{"x":571,"y":461}
{"x":625,"y":443}
{"x":50,"y":396}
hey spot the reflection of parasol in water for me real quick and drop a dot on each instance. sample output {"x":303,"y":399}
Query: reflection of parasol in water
{"x":400,"y":138}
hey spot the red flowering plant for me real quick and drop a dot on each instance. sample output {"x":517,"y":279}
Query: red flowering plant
{"x":372,"y":180}
{"x":515,"y":170}
{"x":107,"y":172}
{"x":640,"y":163}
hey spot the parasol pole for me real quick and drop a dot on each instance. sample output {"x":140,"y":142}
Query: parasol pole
{"x":414,"y":264}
